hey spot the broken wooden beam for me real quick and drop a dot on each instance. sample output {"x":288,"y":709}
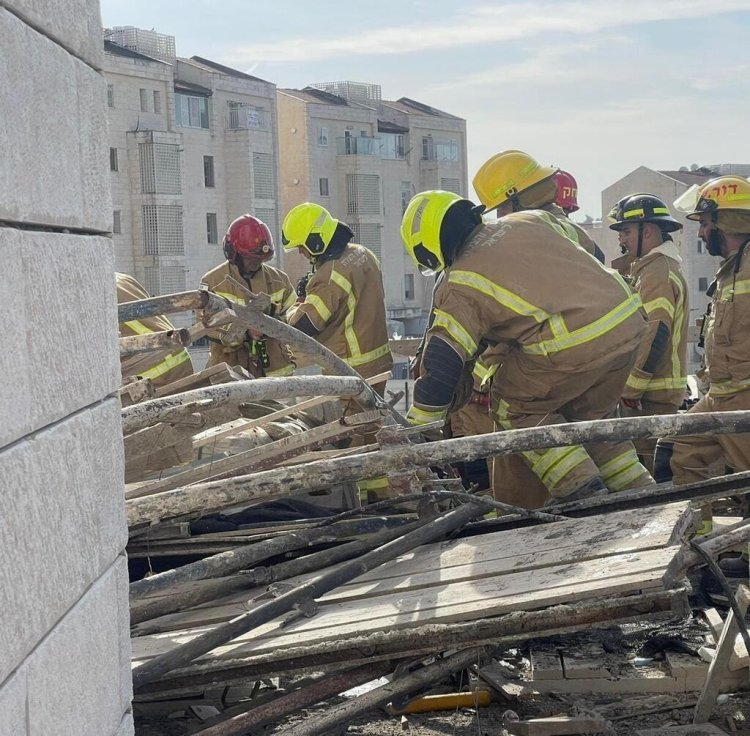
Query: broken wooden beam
{"x":185,"y":301}
{"x":430,"y":531}
{"x":171,"y":340}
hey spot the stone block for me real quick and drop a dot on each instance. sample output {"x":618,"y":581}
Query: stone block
{"x":53,"y":140}
{"x":62,"y":526}
{"x":61,"y":342}
{"x":74,"y":676}
{"x":13,"y":706}
{"x":74,"y":24}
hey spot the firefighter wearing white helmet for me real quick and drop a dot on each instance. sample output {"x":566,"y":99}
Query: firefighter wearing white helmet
{"x":657,"y":383}
{"x":561,"y":358}
{"x":722,"y":206}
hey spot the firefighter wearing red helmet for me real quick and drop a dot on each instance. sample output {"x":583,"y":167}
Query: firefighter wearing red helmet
{"x":567,"y":192}
{"x":248,"y":246}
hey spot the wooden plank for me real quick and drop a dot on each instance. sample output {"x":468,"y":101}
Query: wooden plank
{"x":719,"y":666}
{"x":556,"y":726}
{"x":584,"y":662}
{"x":546,"y":665}
{"x":487,"y":555}
{"x":706,"y":729}
{"x":462,"y":601}
{"x":739,"y":658}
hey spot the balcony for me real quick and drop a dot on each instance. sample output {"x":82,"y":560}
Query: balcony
{"x":359,"y":146}
{"x":246,"y":117}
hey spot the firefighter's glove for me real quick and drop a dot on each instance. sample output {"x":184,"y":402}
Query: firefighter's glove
{"x":302,"y":287}
{"x":464,"y":387}
{"x":233,"y":335}
{"x":633,"y":404}
{"x":415,"y":366}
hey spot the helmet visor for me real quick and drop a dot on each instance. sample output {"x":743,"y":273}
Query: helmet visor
{"x":688,"y":200}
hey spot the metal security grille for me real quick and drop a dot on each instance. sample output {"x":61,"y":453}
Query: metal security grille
{"x":164,"y":280}
{"x":368,"y":234}
{"x":363,"y":194}
{"x":451,"y":185}
{"x":263,"y":174}
{"x":162,"y":230}
{"x":160,"y":168}
{"x":268,"y":215}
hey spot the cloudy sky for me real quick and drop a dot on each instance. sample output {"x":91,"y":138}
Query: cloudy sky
{"x":597,"y":87}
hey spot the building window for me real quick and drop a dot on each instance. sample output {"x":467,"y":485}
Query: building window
{"x":162,"y":230}
{"x":324,"y":186}
{"x":702,"y":283}
{"x":409,"y":286}
{"x":446,"y":150}
{"x":450,"y":185}
{"x":428,"y":152}
{"x":157,"y":101}
{"x":264,"y":176}
{"x":212,"y":229}
{"x":160,"y":168}
{"x":116,"y":224}
{"x":323,"y":137}
{"x":363,"y":194}
{"x":208,"y":172}
{"x":191,"y":111}
{"x":701,"y":246}
{"x":405,"y":195}
{"x":113,"y":164}
{"x":110,"y":95}
{"x":144,"y":100}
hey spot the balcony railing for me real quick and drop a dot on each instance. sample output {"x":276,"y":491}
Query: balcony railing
{"x":246,"y":117}
{"x":359,"y":146}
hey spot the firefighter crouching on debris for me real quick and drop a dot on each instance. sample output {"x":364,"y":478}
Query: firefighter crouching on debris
{"x":657,"y":382}
{"x":565,"y":359}
{"x":165,"y":369}
{"x":722,"y":206}
{"x":248,"y":245}
{"x":344,"y":301}
{"x":513,"y":181}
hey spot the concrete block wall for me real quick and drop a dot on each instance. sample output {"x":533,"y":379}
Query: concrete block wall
{"x":64,"y":646}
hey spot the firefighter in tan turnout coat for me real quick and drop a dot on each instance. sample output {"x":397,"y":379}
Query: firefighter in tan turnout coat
{"x":165,"y":369}
{"x":722,"y":206}
{"x":248,"y":244}
{"x":563,"y":358}
{"x":657,"y":382}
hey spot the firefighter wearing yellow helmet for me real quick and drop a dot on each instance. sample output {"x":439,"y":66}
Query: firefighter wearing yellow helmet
{"x":722,"y":207}
{"x":562,"y":358}
{"x":512,"y":181}
{"x":343,"y":301}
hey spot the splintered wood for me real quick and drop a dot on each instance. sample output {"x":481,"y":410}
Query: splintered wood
{"x":461,"y":580}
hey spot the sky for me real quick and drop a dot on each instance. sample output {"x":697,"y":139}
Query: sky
{"x":596,"y":87}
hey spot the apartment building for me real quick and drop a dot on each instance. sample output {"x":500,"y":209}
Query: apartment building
{"x":363,"y":158}
{"x":698,"y":266}
{"x":193,"y":144}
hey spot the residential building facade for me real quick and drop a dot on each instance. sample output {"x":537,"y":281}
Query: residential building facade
{"x":363,"y":158}
{"x":193,"y":145}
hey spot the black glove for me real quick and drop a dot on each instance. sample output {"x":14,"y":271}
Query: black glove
{"x":302,"y":286}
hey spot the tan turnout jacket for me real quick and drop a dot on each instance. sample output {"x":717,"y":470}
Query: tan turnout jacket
{"x":164,"y":370}
{"x":572,"y":230}
{"x":247,"y":353}
{"x":345,"y":302}
{"x":727,"y":332}
{"x":659,"y":281}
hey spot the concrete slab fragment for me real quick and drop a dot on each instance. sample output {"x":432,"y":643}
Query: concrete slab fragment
{"x":13,"y":706}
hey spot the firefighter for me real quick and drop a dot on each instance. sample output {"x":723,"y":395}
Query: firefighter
{"x":657,"y":383}
{"x":567,"y":192}
{"x":513,"y":181}
{"x":563,"y":358}
{"x":165,"y":369}
{"x":248,"y":245}
{"x":722,"y":206}
{"x":343,"y":304}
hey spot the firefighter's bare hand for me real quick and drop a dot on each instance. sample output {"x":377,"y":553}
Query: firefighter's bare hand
{"x":255,"y":335}
{"x":634,"y":404}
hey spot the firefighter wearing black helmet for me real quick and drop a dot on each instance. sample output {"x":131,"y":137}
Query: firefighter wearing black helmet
{"x":656,"y":384}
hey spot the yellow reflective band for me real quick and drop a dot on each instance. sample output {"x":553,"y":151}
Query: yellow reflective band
{"x":351,"y":305}
{"x":290,"y":301}
{"x":373,"y":484}
{"x":481,"y":372}
{"x":501,"y":414}
{"x":728,"y":388}
{"x":232,"y":297}
{"x":170,"y":362}
{"x":656,"y":384}
{"x":502,"y":296}
{"x":319,"y":306}
{"x":415,"y":415}
{"x":564,"y":467}
{"x":740,"y":287}
{"x":368,"y":357}
{"x":660,"y":302}
{"x":287,"y":370}
{"x":621,"y":470}
{"x":548,"y":464}
{"x":456,"y":330}
{"x":490,"y":372}
{"x":640,"y":212}
{"x":589,"y":332}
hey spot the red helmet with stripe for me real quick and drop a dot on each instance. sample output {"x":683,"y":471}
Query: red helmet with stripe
{"x":249,"y":237}
{"x":567,"y":191}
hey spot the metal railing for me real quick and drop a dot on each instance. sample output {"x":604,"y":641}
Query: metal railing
{"x":358,"y":146}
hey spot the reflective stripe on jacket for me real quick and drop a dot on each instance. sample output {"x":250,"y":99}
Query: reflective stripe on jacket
{"x":176,"y":365}
{"x":222,"y":281}
{"x":728,"y":329}
{"x":345,"y":302}
{"x":659,"y":281}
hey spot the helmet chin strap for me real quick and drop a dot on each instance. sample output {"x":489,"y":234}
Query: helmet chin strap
{"x":715,"y":238}
{"x":639,"y":249}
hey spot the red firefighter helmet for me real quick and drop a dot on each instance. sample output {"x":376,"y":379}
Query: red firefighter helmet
{"x":567,"y":191}
{"x":248,"y":236}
